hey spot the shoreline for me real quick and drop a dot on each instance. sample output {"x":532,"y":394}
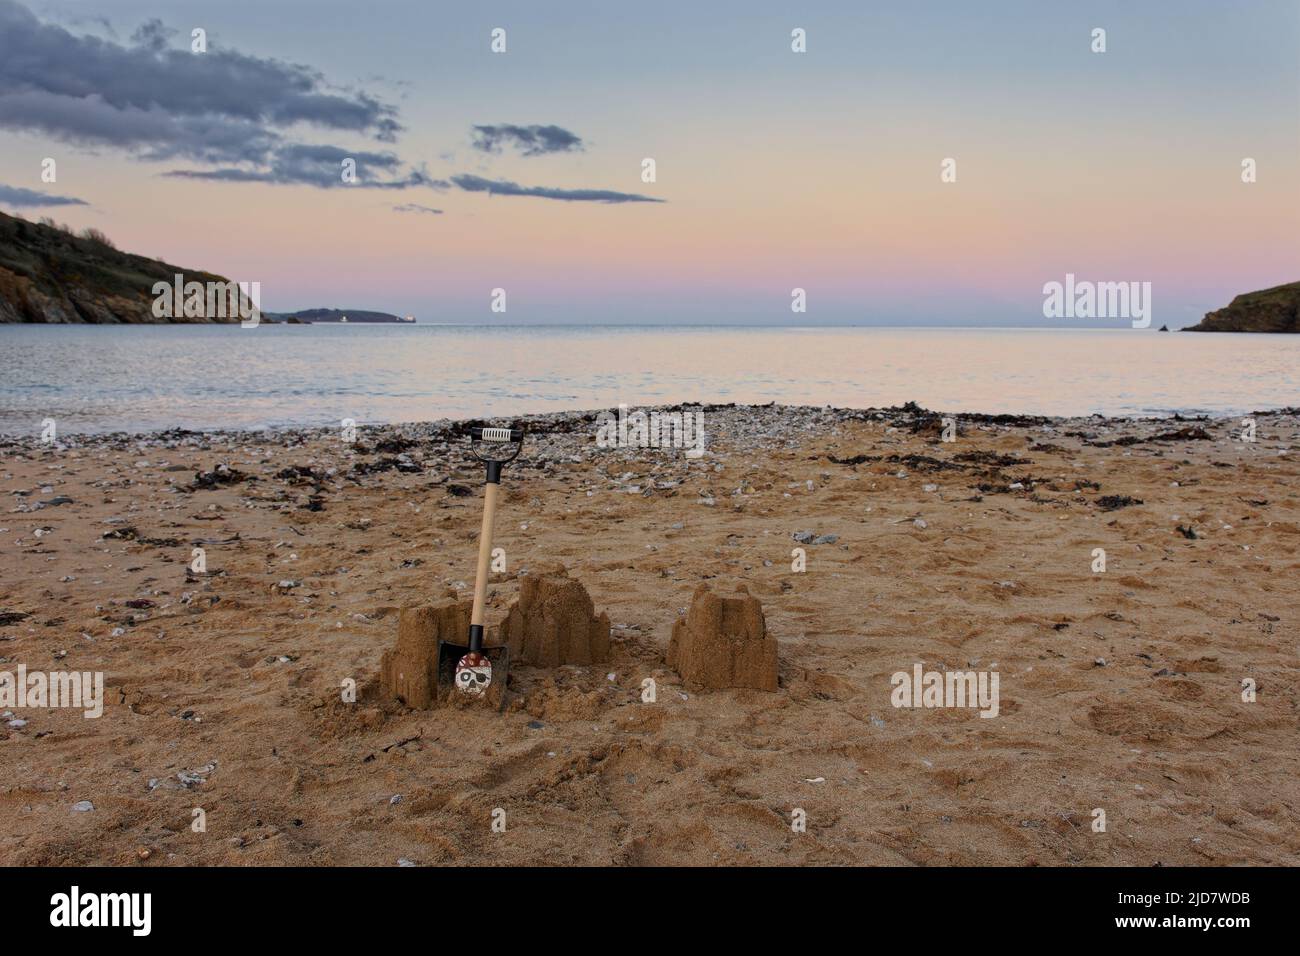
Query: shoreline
{"x":567,"y":421}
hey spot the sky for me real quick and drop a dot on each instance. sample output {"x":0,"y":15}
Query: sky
{"x":774,"y":170}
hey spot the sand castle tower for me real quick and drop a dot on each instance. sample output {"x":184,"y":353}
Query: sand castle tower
{"x":554,"y":622}
{"x":723,"y":642}
{"x":409,"y":671}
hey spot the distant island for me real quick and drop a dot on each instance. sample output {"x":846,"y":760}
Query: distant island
{"x":51,"y":275}
{"x":318,"y":316}
{"x":1268,"y":310}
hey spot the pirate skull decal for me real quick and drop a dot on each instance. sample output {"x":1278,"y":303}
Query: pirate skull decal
{"x":473,"y":674}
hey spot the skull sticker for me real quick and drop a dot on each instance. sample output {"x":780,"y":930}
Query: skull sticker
{"x":473,"y":674}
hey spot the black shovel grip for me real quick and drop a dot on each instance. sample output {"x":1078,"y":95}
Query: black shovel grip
{"x":481,"y":439}
{"x":513,"y":433}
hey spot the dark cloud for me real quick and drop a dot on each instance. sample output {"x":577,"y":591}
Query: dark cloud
{"x":321,"y":166}
{"x":153,"y":35}
{"x":15,"y":196}
{"x":99,"y":22}
{"x":528,"y":140}
{"x":220,"y":108}
{"x":150,"y":134}
{"x":501,"y":187}
{"x":416,"y":207}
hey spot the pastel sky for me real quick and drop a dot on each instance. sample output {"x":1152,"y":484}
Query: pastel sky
{"x":775,"y":169}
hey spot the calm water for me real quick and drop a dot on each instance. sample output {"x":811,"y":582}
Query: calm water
{"x":142,"y":378}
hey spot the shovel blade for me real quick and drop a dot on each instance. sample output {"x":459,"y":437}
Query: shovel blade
{"x":468,"y":674}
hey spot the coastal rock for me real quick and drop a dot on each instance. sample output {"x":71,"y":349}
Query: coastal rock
{"x":1268,"y":310}
{"x":723,"y":642}
{"x":409,"y":671}
{"x":554,"y":622}
{"x":49,"y":275}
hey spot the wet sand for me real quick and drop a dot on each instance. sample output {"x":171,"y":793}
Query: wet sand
{"x":1120,"y":690}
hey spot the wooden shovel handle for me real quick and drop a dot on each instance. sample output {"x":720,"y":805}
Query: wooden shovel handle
{"x":491,"y":489}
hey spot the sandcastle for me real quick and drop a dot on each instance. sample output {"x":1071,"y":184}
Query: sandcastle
{"x":554,"y":622}
{"x":723,"y":642}
{"x":409,"y":671}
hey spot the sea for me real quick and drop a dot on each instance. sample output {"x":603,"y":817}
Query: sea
{"x":143,"y":378}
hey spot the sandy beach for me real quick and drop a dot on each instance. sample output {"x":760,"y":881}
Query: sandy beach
{"x":1121,"y":690}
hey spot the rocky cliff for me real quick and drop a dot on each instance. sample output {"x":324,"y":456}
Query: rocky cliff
{"x":1269,"y":310}
{"x":49,"y":275}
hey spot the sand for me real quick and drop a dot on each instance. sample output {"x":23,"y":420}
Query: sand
{"x":1120,"y":690}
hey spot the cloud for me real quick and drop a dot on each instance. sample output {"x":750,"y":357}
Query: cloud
{"x":416,"y":207}
{"x":321,"y":166}
{"x":100,"y":22}
{"x":17,"y":196}
{"x":153,"y":34}
{"x":528,"y":140}
{"x":219,"y":108}
{"x":151,"y":134}
{"x":502,"y":187}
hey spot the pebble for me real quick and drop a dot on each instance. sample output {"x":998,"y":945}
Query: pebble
{"x":82,"y":806}
{"x":191,"y":778}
